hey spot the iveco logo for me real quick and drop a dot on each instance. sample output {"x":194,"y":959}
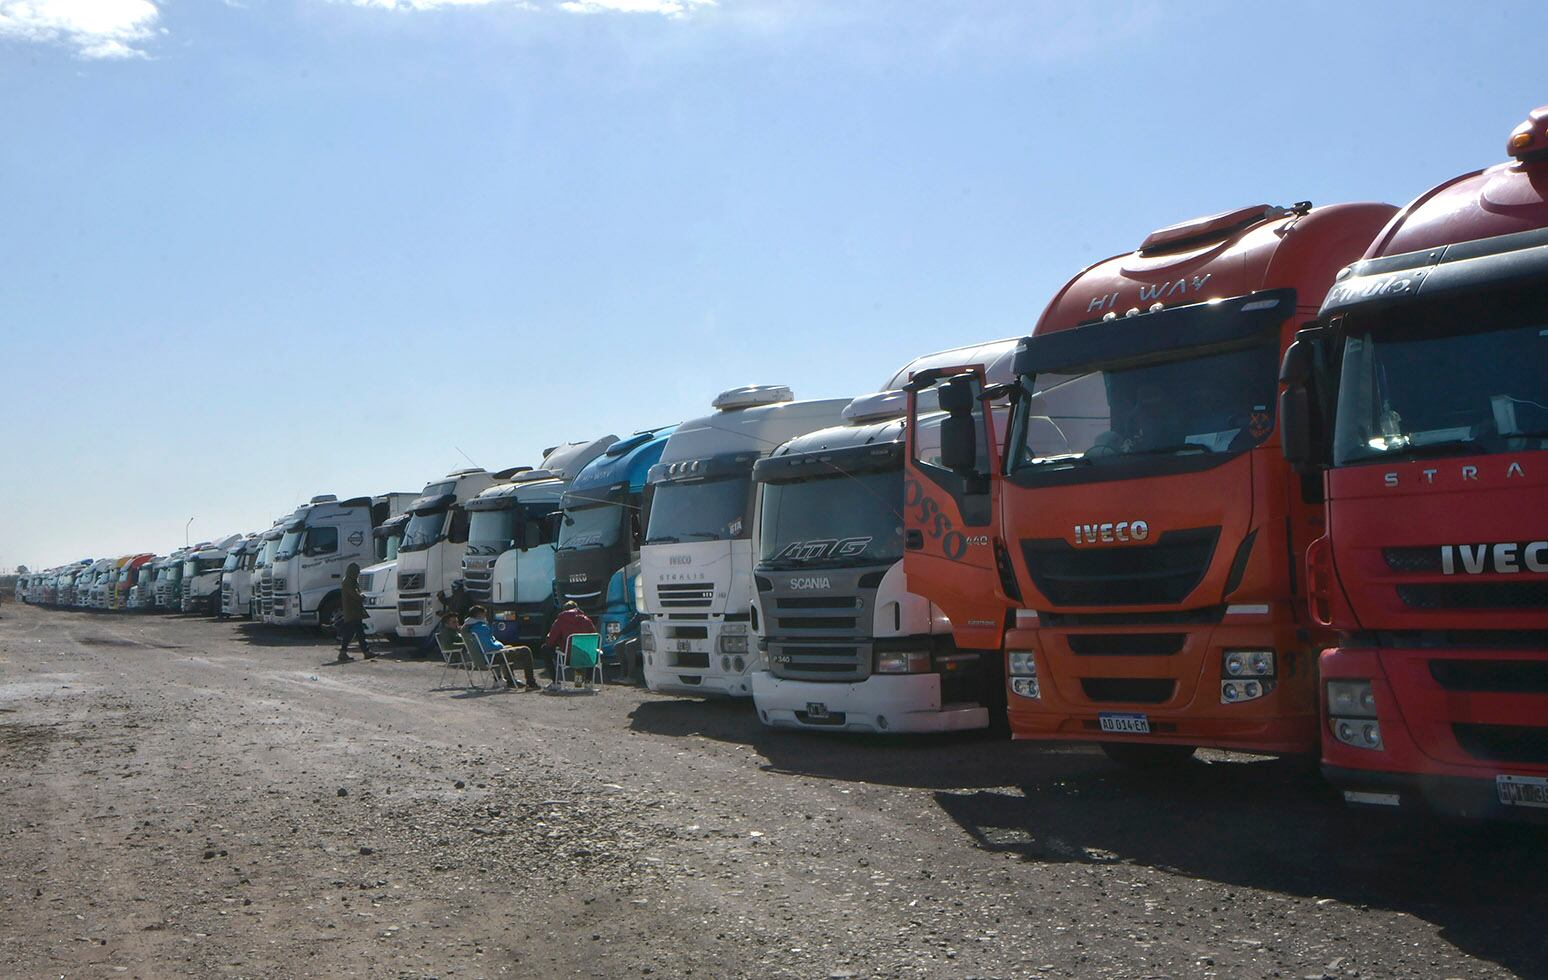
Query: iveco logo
{"x":1506,"y":558}
{"x":578,"y":577}
{"x":1121,"y":531}
{"x":680,"y":560}
{"x":813,"y":582}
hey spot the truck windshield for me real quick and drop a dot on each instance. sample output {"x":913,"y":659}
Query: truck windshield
{"x":387,"y":547}
{"x":190,"y":568}
{"x":232,"y":563}
{"x":289,"y":545}
{"x":700,"y":510}
{"x":491,"y":532}
{"x":1219,"y":403}
{"x":594,"y":526}
{"x":1438,"y":384}
{"x":424,"y":530}
{"x":832,"y":521}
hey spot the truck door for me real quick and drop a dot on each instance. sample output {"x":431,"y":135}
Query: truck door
{"x":951,"y":492}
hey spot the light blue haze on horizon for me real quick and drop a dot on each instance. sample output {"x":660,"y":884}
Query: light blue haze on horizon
{"x":259,"y":250}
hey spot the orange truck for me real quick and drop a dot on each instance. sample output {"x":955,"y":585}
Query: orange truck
{"x":1118,"y":521}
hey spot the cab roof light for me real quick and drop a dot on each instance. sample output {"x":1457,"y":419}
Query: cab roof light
{"x":1196,"y":231}
{"x":1530,"y":139}
{"x":751,"y":396}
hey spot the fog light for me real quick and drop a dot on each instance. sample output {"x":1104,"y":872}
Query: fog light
{"x":1234,"y":692}
{"x":1026,"y":687}
{"x":739,"y":664}
{"x":725,"y":665}
{"x":1359,"y":733}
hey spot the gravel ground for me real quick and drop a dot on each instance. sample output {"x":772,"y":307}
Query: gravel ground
{"x":180,"y":797}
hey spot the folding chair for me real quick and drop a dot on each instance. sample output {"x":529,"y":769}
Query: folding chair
{"x":453,"y":655}
{"x":582,"y":652}
{"x":481,"y":659}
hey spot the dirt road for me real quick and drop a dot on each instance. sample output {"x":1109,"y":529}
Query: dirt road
{"x":185,"y":797}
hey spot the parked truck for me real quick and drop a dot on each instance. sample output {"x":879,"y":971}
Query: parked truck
{"x":434,"y":541}
{"x":512,"y":533}
{"x":236,"y":577}
{"x":379,"y":581}
{"x":1131,"y":549}
{"x":1418,"y":404}
{"x":846,"y":645}
{"x":201,"y":576}
{"x":142,"y":592}
{"x":128,"y":578}
{"x":597,"y":560}
{"x":321,"y":540}
{"x":696,"y":560}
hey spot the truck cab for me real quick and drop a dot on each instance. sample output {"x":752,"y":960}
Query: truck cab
{"x":846,"y":645}
{"x":696,"y":559}
{"x":434,"y":542}
{"x":379,"y":581}
{"x":1418,"y":403}
{"x":321,"y":540}
{"x":1129,"y":541}
{"x":236,"y":578}
{"x":597,"y":561}
{"x":513,"y":529}
{"x":201,"y":577}
{"x":169,"y":574}
{"x":142,"y":590}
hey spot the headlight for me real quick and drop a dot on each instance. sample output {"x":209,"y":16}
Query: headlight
{"x":647,"y":639}
{"x":639,"y":592}
{"x":1023,"y":663}
{"x":735,"y":643}
{"x":612,"y":629}
{"x":1247,"y":663}
{"x":1351,"y":699}
{"x":907,"y":662}
{"x":732,"y":629}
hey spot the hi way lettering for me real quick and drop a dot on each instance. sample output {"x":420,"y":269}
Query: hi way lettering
{"x":1153,"y":292}
{"x":1507,"y":558}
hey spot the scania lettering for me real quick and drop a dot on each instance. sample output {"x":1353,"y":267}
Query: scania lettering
{"x":1140,"y":525}
{"x":597,"y":562}
{"x":696,"y":560}
{"x":850,"y":647}
{"x":1418,"y":402}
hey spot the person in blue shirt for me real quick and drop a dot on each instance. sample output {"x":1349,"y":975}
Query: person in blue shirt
{"x":478,"y":626}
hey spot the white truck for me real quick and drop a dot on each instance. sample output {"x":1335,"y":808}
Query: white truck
{"x":169,"y":576}
{"x":263,"y":573}
{"x":696,"y":562}
{"x":322,"y":539}
{"x":512,"y":533}
{"x":436,"y":538}
{"x":201,"y":576}
{"x":846,"y":646}
{"x":142,"y":591}
{"x":236,"y":577}
{"x":92,"y":592}
{"x":379,"y":581}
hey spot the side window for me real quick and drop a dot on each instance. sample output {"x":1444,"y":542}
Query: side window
{"x":459,"y":526}
{"x":322,"y":541}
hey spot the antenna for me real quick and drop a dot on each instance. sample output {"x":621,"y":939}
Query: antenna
{"x":185,"y":531}
{"x":465,"y":456}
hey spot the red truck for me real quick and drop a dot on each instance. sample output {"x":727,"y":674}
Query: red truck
{"x":1420,"y":398}
{"x":1133,"y":548}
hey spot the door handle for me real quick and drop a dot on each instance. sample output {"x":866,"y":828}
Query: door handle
{"x":913,"y":539}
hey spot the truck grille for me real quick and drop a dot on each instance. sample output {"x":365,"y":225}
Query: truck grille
{"x":1491,"y":676}
{"x":1165,"y":572}
{"x":1503,"y":743}
{"x":411,"y":581}
{"x":1128,"y":690}
{"x":411,"y":612}
{"x":279,"y":584}
{"x":1475,"y":595}
{"x":1412,"y":559}
{"x":1126,"y":644}
{"x":816,"y":641}
{"x":686,"y":595}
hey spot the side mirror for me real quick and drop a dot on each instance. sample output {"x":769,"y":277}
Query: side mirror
{"x":1295,"y":419}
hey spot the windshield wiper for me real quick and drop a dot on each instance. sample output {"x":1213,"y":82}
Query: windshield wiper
{"x":663,"y":539}
{"x":707,"y":535}
{"x":1059,"y":461}
{"x":1181,"y":447}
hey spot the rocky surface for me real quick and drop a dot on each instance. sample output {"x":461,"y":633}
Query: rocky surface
{"x":185,"y":797}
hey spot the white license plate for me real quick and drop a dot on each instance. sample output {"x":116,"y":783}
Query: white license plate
{"x":1522,"y":790}
{"x":1125,"y":724}
{"x":683,"y":646}
{"x":816,"y":709}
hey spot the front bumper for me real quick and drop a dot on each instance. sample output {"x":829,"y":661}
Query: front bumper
{"x":415,"y":616}
{"x":381,"y":620}
{"x":908,"y":703}
{"x":286,"y":611}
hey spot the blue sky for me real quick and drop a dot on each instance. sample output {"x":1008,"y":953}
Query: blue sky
{"x":262,"y":249}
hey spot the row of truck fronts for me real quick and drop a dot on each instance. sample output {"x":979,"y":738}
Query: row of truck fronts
{"x":1274,"y":481}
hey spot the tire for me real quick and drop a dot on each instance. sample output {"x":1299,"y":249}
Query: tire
{"x":632,"y":662}
{"x":994,"y":695}
{"x":214,"y":606}
{"x":1141,"y":755}
{"x":327,"y":617}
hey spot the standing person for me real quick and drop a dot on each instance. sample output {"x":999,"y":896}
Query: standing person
{"x":352,"y":615}
{"x":569,"y":622}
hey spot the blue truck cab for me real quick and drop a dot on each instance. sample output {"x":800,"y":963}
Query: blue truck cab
{"x":598,"y":558}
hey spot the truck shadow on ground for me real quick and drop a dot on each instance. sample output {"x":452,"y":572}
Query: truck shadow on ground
{"x":1274,"y":825}
{"x":262,"y":635}
{"x":961,"y":760}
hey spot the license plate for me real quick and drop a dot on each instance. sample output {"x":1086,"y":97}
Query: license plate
{"x":1125,"y":724}
{"x":683,"y":646}
{"x":816,"y":709}
{"x":1522,"y":790}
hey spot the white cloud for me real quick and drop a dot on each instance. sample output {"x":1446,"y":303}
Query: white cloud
{"x":98,"y":29}
{"x":666,"y":8}
{"x":437,"y":4}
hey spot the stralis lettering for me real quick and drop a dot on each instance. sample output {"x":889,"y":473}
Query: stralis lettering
{"x":1118,"y":531}
{"x":1506,"y":558}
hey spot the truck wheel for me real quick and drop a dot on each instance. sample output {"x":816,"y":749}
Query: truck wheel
{"x":632,"y":663}
{"x":213,"y":610}
{"x":1139,"y":755}
{"x":327,"y":613}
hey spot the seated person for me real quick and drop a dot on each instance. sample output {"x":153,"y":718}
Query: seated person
{"x":449,"y":633}
{"x":478,"y":626}
{"x":569,"y":622}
